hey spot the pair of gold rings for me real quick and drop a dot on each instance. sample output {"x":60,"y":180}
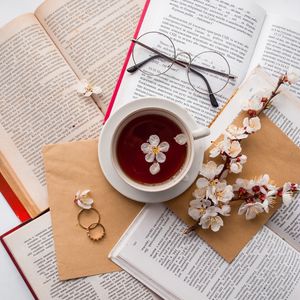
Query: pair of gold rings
{"x":95,"y":231}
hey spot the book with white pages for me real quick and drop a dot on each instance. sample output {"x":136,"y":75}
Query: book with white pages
{"x":242,"y":31}
{"x":44,"y":55}
{"x":31,"y":248}
{"x":177,"y":266}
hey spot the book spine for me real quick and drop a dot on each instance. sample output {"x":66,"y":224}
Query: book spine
{"x":111,"y":103}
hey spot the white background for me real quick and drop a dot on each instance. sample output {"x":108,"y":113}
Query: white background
{"x":12,"y":286}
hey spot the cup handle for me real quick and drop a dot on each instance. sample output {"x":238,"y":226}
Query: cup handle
{"x":200,"y":133}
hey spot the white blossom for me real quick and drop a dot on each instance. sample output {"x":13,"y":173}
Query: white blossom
{"x":211,"y":219}
{"x":236,"y":164}
{"x":252,"y":125}
{"x":288,"y":192}
{"x":154,"y":151}
{"x":86,"y":89}
{"x":251,"y":209}
{"x":235,"y":133}
{"x":83,"y":200}
{"x":198,"y":208}
{"x":255,"y":103}
{"x":233,"y":149}
{"x":220,"y":193}
{"x":211,"y":170}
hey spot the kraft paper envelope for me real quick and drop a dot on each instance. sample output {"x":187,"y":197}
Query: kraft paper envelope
{"x":269,"y":151}
{"x":71,"y":167}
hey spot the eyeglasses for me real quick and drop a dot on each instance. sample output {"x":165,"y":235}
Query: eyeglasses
{"x":208,"y":72}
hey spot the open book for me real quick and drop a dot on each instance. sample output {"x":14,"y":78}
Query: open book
{"x":32,"y":250}
{"x":240,"y":30}
{"x":43,"y":56}
{"x":180,"y":267}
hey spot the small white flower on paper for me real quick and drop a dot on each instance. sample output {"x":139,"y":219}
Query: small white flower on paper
{"x":256,"y":102}
{"x":288,"y":192}
{"x":293,"y":75}
{"x":211,"y":219}
{"x":154,"y":151}
{"x":251,"y":209}
{"x":220,"y":193}
{"x":210,"y":170}
{"x":219,"y":148}
{"x":198,"y":208}
{"x":236,"y":164}
{"x":181,"y":139}
{"x":83,"y":200}
{"x":252,"y":124}
{"x":235,"y":133}
{"x":86,"y":89}
{"x":233,"y":149}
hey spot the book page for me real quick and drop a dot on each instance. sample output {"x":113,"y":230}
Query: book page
{"x":39,"y":103}
{"x":278,"y":48}
{"x":228,"y":27}
{"x":93,"y":36}
{"x":33,"y":248}
{"x":184,"y":267}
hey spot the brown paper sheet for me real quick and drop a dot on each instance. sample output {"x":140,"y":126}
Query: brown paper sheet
{"x":269,"y":151}
{"x":74,"y":166}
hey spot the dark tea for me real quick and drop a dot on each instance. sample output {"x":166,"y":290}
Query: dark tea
{"x":147,"y":151}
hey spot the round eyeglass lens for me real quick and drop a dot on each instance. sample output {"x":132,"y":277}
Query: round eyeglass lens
{"x":214,"y":67}
{"x":157,"y":61}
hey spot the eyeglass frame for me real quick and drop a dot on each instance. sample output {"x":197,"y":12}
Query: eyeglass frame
{"x":189,"y":66}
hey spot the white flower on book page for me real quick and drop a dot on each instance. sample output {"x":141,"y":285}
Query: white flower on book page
{"x":87,"y":89}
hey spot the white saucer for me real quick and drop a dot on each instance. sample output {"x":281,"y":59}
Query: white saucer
{"x":104,"y":153}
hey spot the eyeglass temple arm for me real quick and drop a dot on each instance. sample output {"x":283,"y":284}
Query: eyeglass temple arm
{"x":132,"y":69}
{"x":135,"y":67}
{"x":212,"y":97}
{"x":159,"y":54}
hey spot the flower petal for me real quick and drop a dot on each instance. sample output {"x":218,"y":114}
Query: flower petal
{"x":85,"y":192}
{"x":202,"y":183}
{"x":181,"y":139}
{"x":87,"y":201}
{"x":154,"y":140}
{"x":161,"y":157}
{"x":82,"y":205}
{"x":154,"y":168}
{"x":149,"y":157}
{"x":97,"y":90}
{"x":164,"y":146}
{"x":194,"y":213}
{"x":145,"y":147}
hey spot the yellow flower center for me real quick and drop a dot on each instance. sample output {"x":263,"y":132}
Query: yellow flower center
{"x":201,"y":210}
{"x":89,"y":88}
{"x":213,"y":220}
{"x":155,"y":149}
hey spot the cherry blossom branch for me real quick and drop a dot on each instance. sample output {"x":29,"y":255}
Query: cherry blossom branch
{"x":213,"y":195}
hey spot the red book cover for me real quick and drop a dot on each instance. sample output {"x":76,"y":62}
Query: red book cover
{"x":13,"y":201}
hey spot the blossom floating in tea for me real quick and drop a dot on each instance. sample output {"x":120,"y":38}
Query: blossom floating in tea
{"x":154,"y":151}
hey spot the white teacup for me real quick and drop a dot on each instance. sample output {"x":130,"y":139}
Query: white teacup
{"x":172,"y":112}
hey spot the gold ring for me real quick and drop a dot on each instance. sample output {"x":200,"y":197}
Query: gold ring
{"x":93,"y":224}
{"x":92,"y":227}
